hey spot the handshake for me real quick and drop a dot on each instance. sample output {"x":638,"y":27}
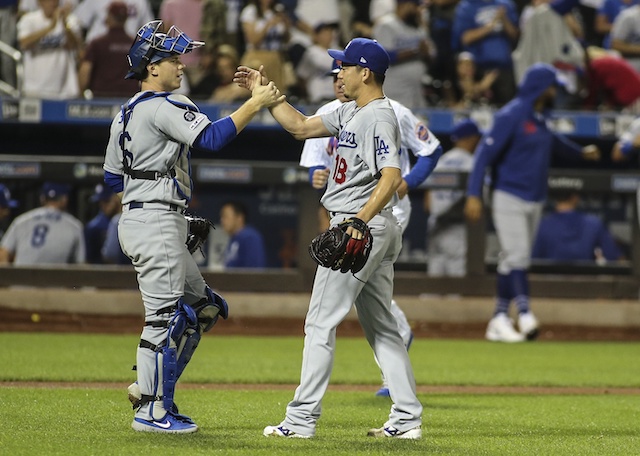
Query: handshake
{"x":263,"y":92}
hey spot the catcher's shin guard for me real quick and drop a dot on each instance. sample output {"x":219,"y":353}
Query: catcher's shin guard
{"x":184,"y":336}
{"x":170,"y":356}
{"x":209,"y":309}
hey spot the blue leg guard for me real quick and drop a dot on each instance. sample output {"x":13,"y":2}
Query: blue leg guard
{"x":182,"y":340}
{"x":209,"y":309}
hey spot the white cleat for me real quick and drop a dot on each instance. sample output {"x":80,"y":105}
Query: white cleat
{"x":281,"y":431}
{"x":500,"y":329}
{"x":391,"y":432}
{"x":528,"y":325}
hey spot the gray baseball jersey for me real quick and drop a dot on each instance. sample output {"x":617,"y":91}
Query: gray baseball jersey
{"x":415,"y":137}
{"x":156,"y":131}
{"x":45,"y":236}
{"x":447,"y":231}
{"x":626,"y":27}
{"x":368,"y":140}
{"x":158,"y":135}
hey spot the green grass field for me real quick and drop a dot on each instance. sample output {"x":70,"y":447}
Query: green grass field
{"x":93,"y":416}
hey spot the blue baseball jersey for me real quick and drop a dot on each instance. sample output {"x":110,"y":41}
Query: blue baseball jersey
{"x":495,"y":49}
{"x":95,"y":232}
{"x":571,"y":236}
{"x":245,"y":250}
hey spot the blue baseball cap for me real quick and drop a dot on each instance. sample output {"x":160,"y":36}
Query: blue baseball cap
{"x":5,"y":198}
{"x":102,"y":193}
{"x":54,"y":190}
{"x":364,"y":52}
{"x":464,"y":129}
{"x":335,"y":69}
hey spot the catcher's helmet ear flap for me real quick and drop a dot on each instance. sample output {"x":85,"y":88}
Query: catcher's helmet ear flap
{"x":152,"y":45}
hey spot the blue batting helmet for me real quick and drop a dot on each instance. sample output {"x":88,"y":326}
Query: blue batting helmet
{"x":152,"y":45}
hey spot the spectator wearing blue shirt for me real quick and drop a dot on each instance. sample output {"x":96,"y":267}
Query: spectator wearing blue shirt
{"x":569,"y":234}
{"x":95,"y":231}
{"x":111,"y":251}
{"x":246,"y":245}
{"x":488,"y":30}
{"x":518,"y":150}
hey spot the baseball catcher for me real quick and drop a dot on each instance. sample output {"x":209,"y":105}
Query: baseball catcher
{"x":199,"y":228}
{"x":336,"y":249}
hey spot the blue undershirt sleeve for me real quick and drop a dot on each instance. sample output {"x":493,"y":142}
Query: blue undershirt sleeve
{"x":114,"y":181}
{"x":626,"y":148}
{"x":423,"y":168}
{"x":216,"y":135}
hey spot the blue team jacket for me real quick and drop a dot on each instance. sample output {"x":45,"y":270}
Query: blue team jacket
{"x":518,"y":147}
{"x":570,"y":236}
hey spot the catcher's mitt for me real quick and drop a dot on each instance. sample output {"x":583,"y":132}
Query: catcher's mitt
{"x":198,"y":231}
{"x":335,"y":249}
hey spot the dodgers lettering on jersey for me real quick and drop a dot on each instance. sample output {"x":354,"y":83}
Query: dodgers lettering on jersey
{"x":348,"y":140}
{"x":368,"y":140}
{"x":415,"y":137}
{"x":159,"y":132}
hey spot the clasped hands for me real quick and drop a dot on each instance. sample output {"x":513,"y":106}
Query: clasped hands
{"x":258,"y":84}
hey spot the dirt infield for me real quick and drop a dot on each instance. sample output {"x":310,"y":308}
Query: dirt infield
{"x":422,"y":389}
{"x":26,"y":321}
{"x":23,"y":321}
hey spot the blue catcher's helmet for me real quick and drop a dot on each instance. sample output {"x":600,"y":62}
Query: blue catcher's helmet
{"x":152,"y":44}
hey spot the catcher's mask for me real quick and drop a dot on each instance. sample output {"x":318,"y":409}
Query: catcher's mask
{"x":152,"y":44}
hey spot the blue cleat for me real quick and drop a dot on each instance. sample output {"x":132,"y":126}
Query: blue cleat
{"x":170,"y":424}
{"x":383,"y":392}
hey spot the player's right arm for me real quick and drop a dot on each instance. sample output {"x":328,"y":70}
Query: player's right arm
{"x":628,"y":143}
{"x":300,"y":126}
{"x":487,"y":152}
{"x":262,"y":96}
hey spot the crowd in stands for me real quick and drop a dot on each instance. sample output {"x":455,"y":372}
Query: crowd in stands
{"x":454,"y":54}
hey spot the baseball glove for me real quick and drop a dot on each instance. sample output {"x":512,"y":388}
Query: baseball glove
{"x":335,"y":249}
{"x":198,"y":231}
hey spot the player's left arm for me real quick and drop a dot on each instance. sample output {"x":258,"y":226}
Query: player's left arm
{"x":415,"y":136}
{"x":383,"y":159}
{"x":384,"y":190}
{"x":564,"y":146}
{"x":608,"y":245}
{"x":420,"y":171}
{"x":5,"y":256}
